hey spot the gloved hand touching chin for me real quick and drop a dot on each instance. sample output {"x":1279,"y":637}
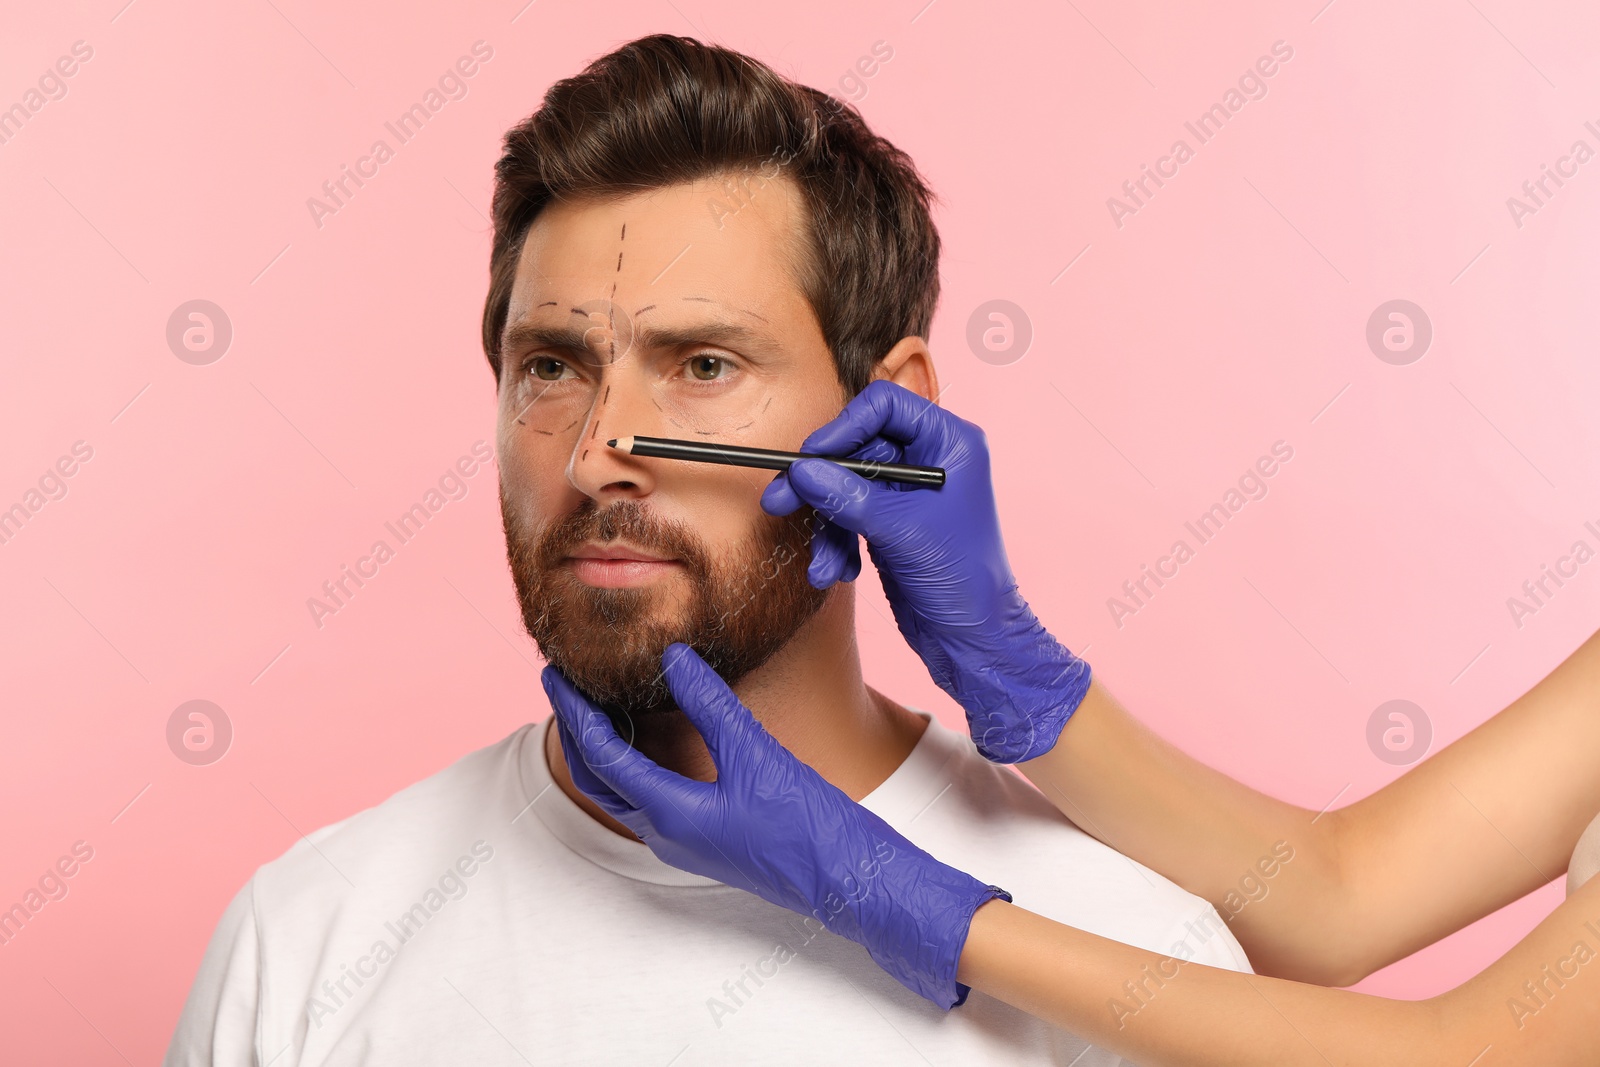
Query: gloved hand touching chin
{"x":942,"y":562}
{"x":772,"y":826}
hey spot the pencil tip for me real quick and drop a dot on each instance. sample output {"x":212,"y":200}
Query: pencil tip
{"x":623,"y":444}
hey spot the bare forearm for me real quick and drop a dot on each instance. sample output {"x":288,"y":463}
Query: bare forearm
{"x":1271,"y":869}
{"x":1159,"y":1010}
{"x":1483,"y":821}
{"x":1535,"y":1004}
{"x":1475,"y":826}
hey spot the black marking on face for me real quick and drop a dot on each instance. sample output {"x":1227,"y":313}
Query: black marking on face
{"x":611,"y":313}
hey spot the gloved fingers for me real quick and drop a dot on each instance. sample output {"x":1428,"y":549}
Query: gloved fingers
{"x":779,"y":497}
{"x":714,"y":709}
{"x":881,"y":450}
{"x":589,"y":782}
{"x":626,"y":771}
{"x":835,"y":555}
{"x":881,"y":409}
{"x":852,"y":569}
{"x":844,"y":497}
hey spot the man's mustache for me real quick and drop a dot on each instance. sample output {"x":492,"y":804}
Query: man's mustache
{"x":624,"y":520}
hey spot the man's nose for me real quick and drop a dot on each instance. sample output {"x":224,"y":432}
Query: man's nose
{"x":596,"y":469}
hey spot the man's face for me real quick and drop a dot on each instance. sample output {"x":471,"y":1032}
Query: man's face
{"x":671,"y":313}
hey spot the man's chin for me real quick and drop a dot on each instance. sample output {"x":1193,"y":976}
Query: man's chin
{"x":631,"y":688}
{"x":617,"y":665}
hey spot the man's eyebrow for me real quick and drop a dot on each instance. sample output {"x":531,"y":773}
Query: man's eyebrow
{"x":569,"y":337}
{"x":708,"y":300}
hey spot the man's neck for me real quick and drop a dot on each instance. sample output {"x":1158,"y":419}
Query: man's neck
{"x":810,"y":696}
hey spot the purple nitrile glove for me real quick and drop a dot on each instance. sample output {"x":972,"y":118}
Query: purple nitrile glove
{"x":772,"y":826}
{"x":942,"y":562}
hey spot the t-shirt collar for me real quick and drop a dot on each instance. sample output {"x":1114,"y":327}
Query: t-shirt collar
{"x":898,"y":800}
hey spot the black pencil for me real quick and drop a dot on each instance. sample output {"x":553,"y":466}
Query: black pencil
{"x":770,"y":458}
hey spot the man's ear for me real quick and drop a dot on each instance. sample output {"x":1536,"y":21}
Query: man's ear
{"x":909,"y":364}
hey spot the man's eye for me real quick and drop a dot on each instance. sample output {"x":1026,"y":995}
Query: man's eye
{"x":707,"y":368}
{"x":546,"y":368}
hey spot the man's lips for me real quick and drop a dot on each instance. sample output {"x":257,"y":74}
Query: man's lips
{"x":614,"y":566}
{"x":616,"y":552}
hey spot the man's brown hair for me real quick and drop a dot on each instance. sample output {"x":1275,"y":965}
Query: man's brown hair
{"x":663,"y":110}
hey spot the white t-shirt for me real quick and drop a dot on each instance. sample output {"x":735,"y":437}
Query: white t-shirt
{"x":480,"y":916}
{"x":1585,"y":861}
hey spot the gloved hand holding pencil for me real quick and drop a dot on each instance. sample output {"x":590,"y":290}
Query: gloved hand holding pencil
{"x":942,"y":562}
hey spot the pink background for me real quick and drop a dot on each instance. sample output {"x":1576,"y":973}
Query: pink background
{"x":1227,"y":314}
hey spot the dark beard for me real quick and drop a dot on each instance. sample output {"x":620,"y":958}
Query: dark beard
{"x":736,"y":613}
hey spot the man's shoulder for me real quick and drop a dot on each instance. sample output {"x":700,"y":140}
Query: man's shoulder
{"x":410,"y":829}
{"x":973,"y":792}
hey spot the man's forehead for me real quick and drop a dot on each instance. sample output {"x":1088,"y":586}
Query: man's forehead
{"x":670,"y":248}
{"x":701,"y":208}
{"x":693,"y":306}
